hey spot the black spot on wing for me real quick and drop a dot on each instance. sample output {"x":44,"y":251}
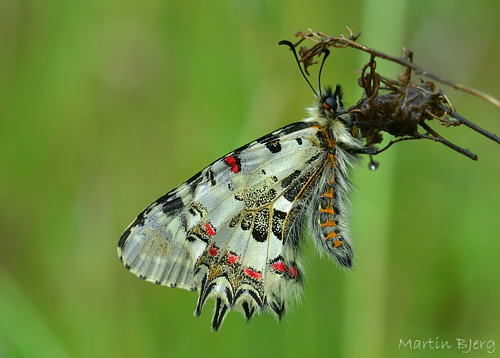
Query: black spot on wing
{"x":278,"y":306}
{"x":272,"y":140}
{"x":256,"y":198}
{"x":139,"y":221}
{"x":299,"y":141}
{"x":247,"y":221}
{"x":235,"y":220}
{"x":249,"y":310}
{"x":211,"y":177}
{"x":194,"y":211}
{"x":301,"y":185}
{"x":150,"y":208}
{"x":193,"y":182}
{"x":267,"y":197}
{"x":219,"y":315}
{"x":294,"y":190}
{"x":261,"y":225}
{"x":272,"y":143}
{"x":123,"y":238}
{"x":251,"y":293}
{"x":184,"y":222}
{"x":277,"y":223}
{"x":290,"y":179}
{"x":172,"y":204}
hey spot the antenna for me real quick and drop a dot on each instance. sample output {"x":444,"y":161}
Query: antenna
{"x":292,"y":47}
{"x":327,"y":53}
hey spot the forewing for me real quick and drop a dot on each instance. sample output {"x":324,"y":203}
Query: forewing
{"x":231,"y":231}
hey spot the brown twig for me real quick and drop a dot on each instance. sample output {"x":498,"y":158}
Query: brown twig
{"x":399,"y":106}
{"x":323,"y":41}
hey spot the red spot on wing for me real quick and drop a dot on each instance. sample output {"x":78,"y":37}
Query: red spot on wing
{"x":292,"y":270}
{"x":232,"y":258}
{"x":279,"y":266}
{"x":209,"y":229}
{"x":252,"y":273}
{"x":213,"y":250}
{"x":233,"y":164}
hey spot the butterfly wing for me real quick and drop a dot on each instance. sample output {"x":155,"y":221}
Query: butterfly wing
{"x":232,"y":230}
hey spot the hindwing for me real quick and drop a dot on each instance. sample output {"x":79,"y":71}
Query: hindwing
{"x":232,"y":230}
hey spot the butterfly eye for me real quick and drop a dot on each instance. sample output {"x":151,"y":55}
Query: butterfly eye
{"x":330,"y":103}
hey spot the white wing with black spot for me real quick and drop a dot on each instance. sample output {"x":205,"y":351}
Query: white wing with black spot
{"x":232,"y":230}
{"x":227,"y":231}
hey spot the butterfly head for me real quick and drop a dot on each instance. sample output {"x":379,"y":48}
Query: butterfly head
{"x":331,"y":107}
{"x":331,"y":102}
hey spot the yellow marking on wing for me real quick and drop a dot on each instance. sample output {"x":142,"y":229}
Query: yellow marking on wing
{"x":215,"y":271}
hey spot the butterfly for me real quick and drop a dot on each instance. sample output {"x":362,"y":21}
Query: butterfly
{"x":232,"y":232}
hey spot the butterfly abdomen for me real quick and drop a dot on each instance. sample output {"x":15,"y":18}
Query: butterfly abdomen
{"x":329,"y":220}
{"x":330,"y":209}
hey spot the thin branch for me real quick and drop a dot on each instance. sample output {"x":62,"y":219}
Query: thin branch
{"x":323,"y":41}
{"x":398,"y":106}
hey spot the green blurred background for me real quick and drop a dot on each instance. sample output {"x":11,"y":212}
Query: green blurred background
{"x":105,"y":106}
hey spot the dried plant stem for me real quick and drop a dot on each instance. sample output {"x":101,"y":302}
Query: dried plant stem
{"x":398,"y":106}
{"x":323,"y":41}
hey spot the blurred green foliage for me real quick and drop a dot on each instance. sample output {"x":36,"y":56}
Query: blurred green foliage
{"x":105,"y":106}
